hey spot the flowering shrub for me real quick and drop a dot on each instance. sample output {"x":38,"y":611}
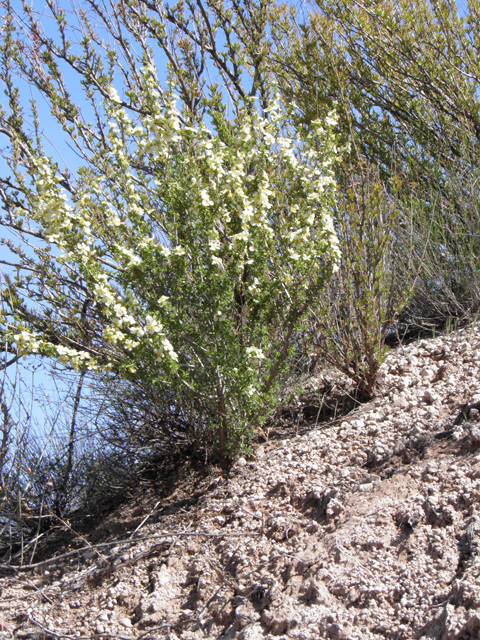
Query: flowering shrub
{"x":180,"y":255}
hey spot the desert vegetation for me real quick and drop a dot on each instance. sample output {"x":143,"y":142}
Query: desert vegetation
{"x":200,"y":197}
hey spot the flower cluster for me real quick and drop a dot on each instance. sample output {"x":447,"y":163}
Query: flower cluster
{"x":27,"y":342}
{"x":77,"y":359}
{"x":254,"y":354}
{"x":53,"y":212}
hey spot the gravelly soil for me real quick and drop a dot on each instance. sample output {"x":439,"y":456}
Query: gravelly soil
{"x":368,"y":528}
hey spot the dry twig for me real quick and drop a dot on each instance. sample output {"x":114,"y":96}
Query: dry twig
{"x":116,"y":636}
{"x":90,"y":547}
{"x":144,"y":520}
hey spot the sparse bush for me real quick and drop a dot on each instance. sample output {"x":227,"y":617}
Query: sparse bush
{"x":446,"y":233}
{"x":147,"y":422}
{"x":404,"y":77}
{"x":351,"y":319}
{"x":56,"y":466}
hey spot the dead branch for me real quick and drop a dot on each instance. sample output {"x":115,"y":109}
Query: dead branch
{"x":44,"y":563}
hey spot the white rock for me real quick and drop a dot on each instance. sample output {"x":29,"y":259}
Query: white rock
{"x":429,"y":396}
{"x":125,"y":622}
{"x":254,"y":632}
{"x":163,"y":576}
{"x":475,"y":434}
{"x":366,"y":487}
{"x":357,"y":424}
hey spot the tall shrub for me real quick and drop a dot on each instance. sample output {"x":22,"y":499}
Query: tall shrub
{"x":405,"y":77}
{"x":183,"y":249}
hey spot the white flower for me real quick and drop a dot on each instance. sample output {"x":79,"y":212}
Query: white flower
{"x":254,"y":287}
{"x":120,"y":310}
{"x":165,"y":348}
{"x":77,"y":359}
{"x":152,"y":325}
{"x":131,"y":300}
{"x":104,"y":294}
{"x":247,"y":213}
{"x":299,"y":238}
{"x":113,"y":94}
{"x":332,"y":119}
{"x":246,"y":134}
{"x":240,"y":237}
{"x":214,"y":244}
{"x":165,"y":251}
{"x":132,"y":258}
{"x":255,"y":354}
{"x":27,"y":342}
{"x":206,"y":200}
{"x":113,"y":335}
{"x":258,"y":217}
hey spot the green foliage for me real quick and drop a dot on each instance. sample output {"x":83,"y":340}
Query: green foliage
{"x":404,"y":76}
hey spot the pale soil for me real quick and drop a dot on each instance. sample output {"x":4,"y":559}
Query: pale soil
{"x":365,"y":529}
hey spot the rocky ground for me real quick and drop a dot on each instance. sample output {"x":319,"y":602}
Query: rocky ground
{"x":367,"y":527}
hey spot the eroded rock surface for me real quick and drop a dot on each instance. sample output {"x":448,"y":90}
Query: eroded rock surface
{"x":368,"y":528}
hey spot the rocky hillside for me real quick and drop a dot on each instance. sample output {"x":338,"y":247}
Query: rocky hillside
{"x":364,"y":528}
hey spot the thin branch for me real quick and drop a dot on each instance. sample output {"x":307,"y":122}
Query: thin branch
{"x":44,"y":563}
